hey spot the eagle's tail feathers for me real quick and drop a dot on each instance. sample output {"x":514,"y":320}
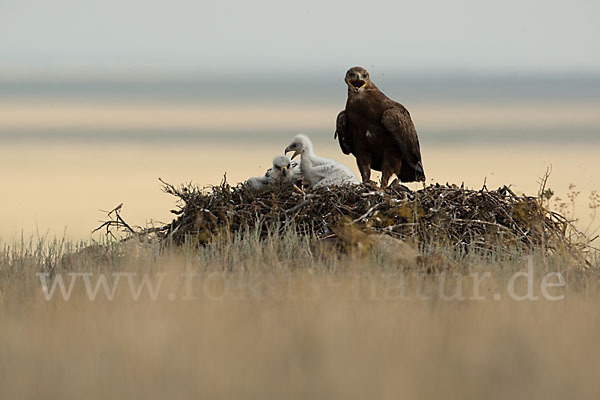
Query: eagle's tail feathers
{"x":412,"y":172}
{"x":419,"y":173}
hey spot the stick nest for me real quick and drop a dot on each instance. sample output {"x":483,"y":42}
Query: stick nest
{"x":463,"y":218}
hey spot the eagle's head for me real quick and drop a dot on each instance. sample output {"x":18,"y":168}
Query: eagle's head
{"x":281,"y":166}
{"x":357,"y":78}
{"x":299,"y":145}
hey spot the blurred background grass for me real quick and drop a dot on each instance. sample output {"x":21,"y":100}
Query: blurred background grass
{"x":286,"y":318}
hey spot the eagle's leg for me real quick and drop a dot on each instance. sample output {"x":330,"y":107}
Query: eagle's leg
{"x":364,"y":166}
{"x":385,"y":177}
{"x":387,"y":168}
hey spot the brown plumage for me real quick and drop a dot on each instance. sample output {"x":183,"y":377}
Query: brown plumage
{"x":378,"y":132}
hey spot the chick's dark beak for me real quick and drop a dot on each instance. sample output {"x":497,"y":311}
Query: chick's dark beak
{"x":288,"y":149}
{"x":284,"y":171}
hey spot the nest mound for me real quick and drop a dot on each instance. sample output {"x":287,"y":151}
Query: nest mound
{"x":463,"y":218}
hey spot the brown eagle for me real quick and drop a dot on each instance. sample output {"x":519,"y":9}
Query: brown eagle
{"x":378,"y":132}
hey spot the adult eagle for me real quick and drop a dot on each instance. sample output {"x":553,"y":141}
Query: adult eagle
{"x":378,"y":132}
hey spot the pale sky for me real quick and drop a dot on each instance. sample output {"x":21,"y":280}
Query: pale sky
{"x":137,"y":36}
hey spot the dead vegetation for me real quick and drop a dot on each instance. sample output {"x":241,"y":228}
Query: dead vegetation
{"x":448,"y":215}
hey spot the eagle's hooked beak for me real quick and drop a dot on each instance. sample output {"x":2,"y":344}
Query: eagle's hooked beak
{"x":288,"y":149}
{"x":357,"y":84}
{"x":361,"y":82}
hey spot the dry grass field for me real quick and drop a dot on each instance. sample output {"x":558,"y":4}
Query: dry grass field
{"x":287,"y":318}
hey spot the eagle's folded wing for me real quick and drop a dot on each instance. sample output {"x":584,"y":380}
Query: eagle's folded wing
{"x":398,"y":123}
{"x":342,"y":133}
